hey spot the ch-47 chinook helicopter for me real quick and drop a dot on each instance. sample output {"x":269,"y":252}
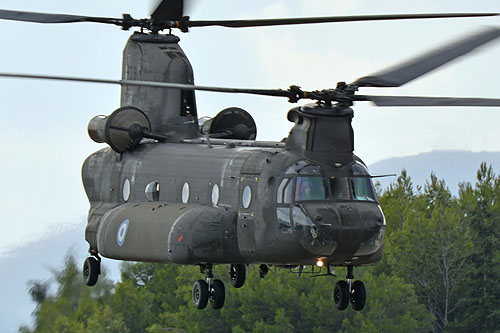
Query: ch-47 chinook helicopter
{"x":172,"y":188}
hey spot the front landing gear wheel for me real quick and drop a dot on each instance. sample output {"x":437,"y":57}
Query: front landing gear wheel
{"x":237,"y":274}
{"x":91,"y":271}
{"x":358,"y":295}
{"x":217,"y":294}
{"x":200,"y":294}
{"x":341,"y":295}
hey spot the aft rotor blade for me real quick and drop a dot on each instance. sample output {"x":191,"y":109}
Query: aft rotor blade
{"x":53,"y":18}
{"x":329,"y":19}
{"x":151,"y":84}
{"x":168,"y":10}
{"x":399,"y":75}
{"x":427,"y":101}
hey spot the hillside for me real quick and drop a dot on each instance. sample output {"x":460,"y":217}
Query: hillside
{"x":454,"y":166}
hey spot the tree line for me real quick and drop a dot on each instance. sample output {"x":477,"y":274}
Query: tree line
{"x":440,"y":273}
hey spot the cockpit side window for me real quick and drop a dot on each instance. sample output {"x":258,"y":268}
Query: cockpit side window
{"x":310,"y":188}
{"x":302,"y":181}
{"x":361,"y":183}
{"x":284,"y":193}
{"x":362,"y":189}
{"x":283,"y":199}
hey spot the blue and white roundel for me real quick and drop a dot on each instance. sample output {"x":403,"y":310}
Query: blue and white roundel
{"x":122,"y":232}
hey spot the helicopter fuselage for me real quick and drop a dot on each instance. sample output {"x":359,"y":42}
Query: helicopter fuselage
{"x":229,"y":201}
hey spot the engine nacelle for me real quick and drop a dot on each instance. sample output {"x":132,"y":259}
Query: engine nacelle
{"x":231,"y":123}
{"x":122,"y":130}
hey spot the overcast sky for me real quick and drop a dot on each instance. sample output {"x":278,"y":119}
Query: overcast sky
{"x":43,"y":129}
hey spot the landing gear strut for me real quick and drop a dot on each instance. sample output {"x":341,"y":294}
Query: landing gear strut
{"x":91,"y":268}
{"x":354,"y":292}
{"x":212,"y":290}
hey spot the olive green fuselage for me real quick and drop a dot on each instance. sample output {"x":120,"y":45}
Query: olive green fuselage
{"x":189,"y":203}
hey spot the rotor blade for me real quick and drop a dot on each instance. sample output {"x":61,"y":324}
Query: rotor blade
{"x":293,"y":93}
{"x":328,"y":19}
{"x":399,"y":75}
{"x":263,"y":92}
{"x":168,"y":10}
{"x":427,"y":101}
{"x":14,"y":15}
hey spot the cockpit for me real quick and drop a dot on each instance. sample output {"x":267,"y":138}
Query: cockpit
{"x":317,"y":204}
{"x":304,"y":181}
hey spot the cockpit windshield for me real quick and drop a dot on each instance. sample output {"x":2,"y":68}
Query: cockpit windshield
{"x":304,"y":181}
{"x":362,"y":189}
{"x":310,"y":188}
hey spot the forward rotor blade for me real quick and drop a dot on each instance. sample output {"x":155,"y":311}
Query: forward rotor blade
{"x":169,"y":14}
{"x":329,"y":19}
{"x":263,"y":92}
{"x":427,"y":101}
{"x":399,"y":75}
{"x":14,"y":15}
{"x":168,"y":10}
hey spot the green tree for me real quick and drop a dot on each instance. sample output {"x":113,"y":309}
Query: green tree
{"x":398,"y":202}
{"x":68,"y":309}
{"x":103,"y":320}
{"x":431,"y":251}
{"x":392,"y":306}
{"x":480,"y":308}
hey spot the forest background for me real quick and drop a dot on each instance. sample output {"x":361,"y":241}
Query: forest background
{"x":440,"y":273}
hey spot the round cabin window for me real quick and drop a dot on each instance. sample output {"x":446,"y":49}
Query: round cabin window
{"x":152,"y":191}
{"x":215,"y":194}
{"x":126,"y":189}
{"x":185,"y":193}
{"x":246,"y":197}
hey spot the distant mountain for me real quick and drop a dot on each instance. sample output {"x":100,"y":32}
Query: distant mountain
{"x":454,"y":166}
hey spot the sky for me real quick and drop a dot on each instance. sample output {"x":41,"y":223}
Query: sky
{"x":43,"y":131}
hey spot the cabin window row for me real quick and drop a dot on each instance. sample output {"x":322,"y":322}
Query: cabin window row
{"x":152,"y":192}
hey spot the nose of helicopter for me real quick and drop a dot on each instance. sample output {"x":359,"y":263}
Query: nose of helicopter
{"x":339,"y":229}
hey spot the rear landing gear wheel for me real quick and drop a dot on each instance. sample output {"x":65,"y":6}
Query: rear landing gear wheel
{"x":91,"y":271}
{"x":217,"y":294}
{"x":237,"y":274}
{"x":200,"y":294}
{"x":341,"y":295}
{"x":358,"y":295}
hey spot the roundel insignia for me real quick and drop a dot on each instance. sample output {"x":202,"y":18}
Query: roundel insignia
{"x":122,"y":232}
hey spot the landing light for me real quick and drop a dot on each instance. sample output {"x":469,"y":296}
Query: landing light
{"x":320,"y":262}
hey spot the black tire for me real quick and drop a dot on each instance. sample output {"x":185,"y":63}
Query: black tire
{"x":341,"y":295}
{"x":91,"y":271}
{"x":358,"y":295}
{"x":237,"y":275}
{"x":200,"y":294}
{"x":217,"y":294}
